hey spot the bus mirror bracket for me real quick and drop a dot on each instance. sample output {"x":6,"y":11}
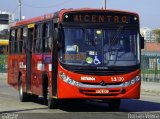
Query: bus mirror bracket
{"x":142,"y":42}
{"x":56,"y":37}
{"x":55,"y":34}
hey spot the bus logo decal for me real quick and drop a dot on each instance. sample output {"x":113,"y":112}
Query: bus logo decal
{"x":85,"y":78}
{"x":102,"y":83}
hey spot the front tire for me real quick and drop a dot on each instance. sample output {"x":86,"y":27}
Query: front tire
{"x":52,"y":102}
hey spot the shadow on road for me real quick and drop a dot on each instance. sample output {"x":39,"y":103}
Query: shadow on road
{"x":89,"y":106}
{"x":126,"y":106}
{"x":139,"y":106}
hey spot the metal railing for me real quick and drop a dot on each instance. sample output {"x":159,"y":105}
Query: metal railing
{"x":150,"y":67}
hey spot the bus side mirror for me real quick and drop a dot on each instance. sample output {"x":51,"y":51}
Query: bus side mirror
{"x":142,"y":42}
{"x":56,"y":37}
{"x":55,"y":34}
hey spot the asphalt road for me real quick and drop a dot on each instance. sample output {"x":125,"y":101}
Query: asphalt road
{"x":12,"y":108}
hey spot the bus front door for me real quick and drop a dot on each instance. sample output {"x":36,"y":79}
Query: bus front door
{"x":29,"y":59}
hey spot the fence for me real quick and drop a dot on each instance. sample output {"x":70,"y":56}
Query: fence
{"x":3,"y":63}
{"x":150,"y":67}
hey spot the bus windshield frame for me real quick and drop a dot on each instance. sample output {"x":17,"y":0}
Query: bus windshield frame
{"x":114,"y":56}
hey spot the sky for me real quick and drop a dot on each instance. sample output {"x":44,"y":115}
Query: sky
{"x":149,"y":10}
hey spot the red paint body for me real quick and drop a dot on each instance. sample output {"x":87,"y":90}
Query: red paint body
{"x":64,"y":90}
{"x":69,"y":91}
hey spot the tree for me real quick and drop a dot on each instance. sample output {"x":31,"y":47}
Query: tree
{"x":156,"y":35}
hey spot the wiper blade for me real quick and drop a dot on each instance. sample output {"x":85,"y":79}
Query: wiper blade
{"x":116,"y":35}
{"x":112,"y":49}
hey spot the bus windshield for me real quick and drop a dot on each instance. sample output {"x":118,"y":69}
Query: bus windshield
{"x":100,"y":47}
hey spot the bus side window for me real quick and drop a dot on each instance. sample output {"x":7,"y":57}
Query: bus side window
{"x":12,"y":39}
{"x":19,"y":41}
{"x":15,"y":42}
{"x":24,"y":39}
{"x":47,"y":36}
{"x":37,"y":39}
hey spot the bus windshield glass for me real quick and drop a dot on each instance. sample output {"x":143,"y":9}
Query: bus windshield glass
{"x":100,"y":47}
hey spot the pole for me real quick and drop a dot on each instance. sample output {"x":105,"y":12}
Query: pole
{"x":105,"y":2}
{"x":20,"y":10}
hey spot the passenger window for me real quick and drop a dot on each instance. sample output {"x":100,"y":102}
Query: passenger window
{"x":47,"y":36}
{"x":19,"y":41}
{"x":12,"y":39}
{"x":37,"y":39}
{"x":24,"y":35}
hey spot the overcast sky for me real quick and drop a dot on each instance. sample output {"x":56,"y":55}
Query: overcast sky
{"x":149,"y":10}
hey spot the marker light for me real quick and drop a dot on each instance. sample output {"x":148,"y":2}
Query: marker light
{"x":135,"y":18}
{"x":98,"y":32}
{"x":68,"y":80}
{"x":132,"y":82}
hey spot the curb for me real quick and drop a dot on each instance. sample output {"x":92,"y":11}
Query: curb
{"x":150,"y":92}
{"x":150,"y":88}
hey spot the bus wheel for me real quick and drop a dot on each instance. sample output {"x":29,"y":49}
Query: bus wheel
{"x":115,"y":104}
{"x":52,"y":102}
{"x":22,"y":95}
{"x":34,"y":98}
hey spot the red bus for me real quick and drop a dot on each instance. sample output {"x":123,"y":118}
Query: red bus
{"x":77,"y":54}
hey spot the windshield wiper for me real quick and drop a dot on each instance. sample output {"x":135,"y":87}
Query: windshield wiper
{"x":116,"y":35}
{"x":113,"y":42}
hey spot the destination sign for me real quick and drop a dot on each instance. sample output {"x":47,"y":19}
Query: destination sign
{"x":100,"y":17}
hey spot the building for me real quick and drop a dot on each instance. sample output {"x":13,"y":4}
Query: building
{"x":6,"y":18}
{"x":151,"y":56}
{"x":156,"y":35}
{"x":147,"y":34}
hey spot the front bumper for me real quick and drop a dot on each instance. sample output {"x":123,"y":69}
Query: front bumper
{"x":66,"y":91}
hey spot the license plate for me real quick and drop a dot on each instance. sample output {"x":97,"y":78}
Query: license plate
{"x":102,"y":91}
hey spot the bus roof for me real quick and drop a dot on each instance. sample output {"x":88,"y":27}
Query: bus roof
{"x":61,"y":12}
{"x":33,"y":20}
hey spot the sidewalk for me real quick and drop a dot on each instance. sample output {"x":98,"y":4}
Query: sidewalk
{"x":150,"y":88}
{"x":3,"y":76}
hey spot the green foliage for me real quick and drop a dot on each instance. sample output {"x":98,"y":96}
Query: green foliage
{"x":156,"y":34}
{"x":3,"y":59}
{"x":3,"y":63}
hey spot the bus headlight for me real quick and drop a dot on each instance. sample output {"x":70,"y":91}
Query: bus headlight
{"x":138,"y":78}
{"x":127,"y":83}
{"x":68,"y":80}
{"x":132,"y":82}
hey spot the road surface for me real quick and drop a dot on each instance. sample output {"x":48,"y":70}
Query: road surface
{"x":12,"y":108}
